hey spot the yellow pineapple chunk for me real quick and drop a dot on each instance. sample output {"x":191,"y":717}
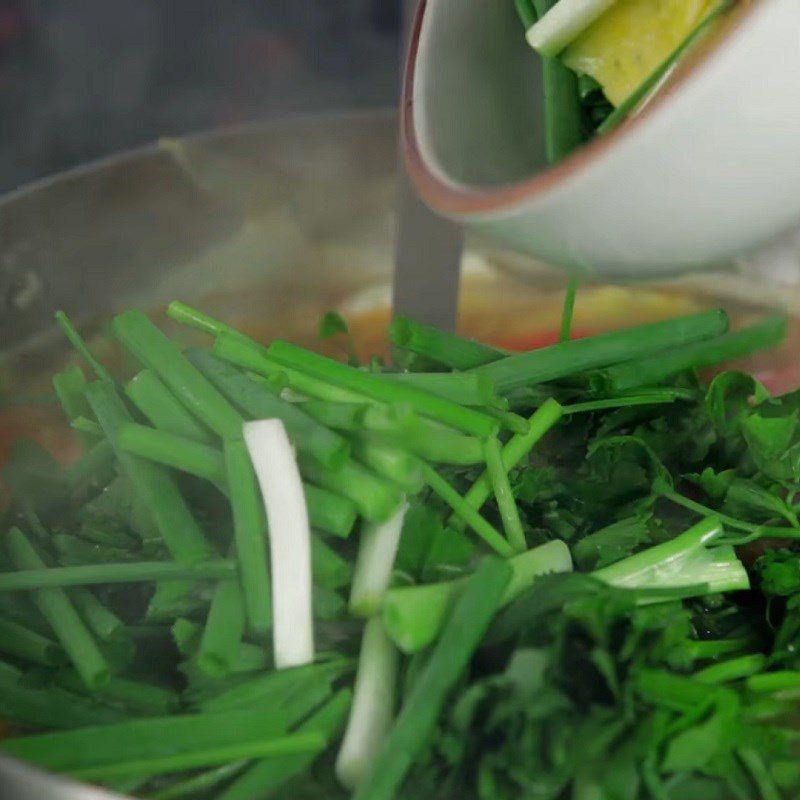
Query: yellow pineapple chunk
{"x":622,"y":48}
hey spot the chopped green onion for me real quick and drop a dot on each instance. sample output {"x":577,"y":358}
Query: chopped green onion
{"x":446,"y":348}
{"x":501,"y":487}
{"x":289,"y":541}
{"x":174,"y":451}
{"x":464,"y":388}
{"x":61,"y":615}
{"x":259,"y":402}
{"x":250,"y":534}
{"x":467,"y":513}
{"x":135,"y":331}
{"x":424,"y":438}
{"x":373,"y":705}
{"x":646,"y":371}
{"x":76,"y":340}
{"x":470,"y":618}
{"x":465,"y":419}
{"x":578,"y":356}
{"x":219,"y":646}
{"x":414,"y":615}
{"x":163,"y":409}
{"x":134,"y":572}
{"x":375,"y":498}
{"x":515,"y":449}
{"x":28,"y":645}
{"x":154,"y":485}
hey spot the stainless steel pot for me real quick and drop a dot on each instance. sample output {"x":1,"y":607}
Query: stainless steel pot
{"x":275,"y":222}
{"x":290,"y":216}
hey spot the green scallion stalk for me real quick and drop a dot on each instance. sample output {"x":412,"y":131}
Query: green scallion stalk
{"x":178,"y":452}
{"x":201,"y":783}
{"x":142,"y":338}
{"x":330,"y":570}
{"x":445,"y":348}
{"x":53,"y":708}
{"x":274,"y":690}
{"x":759,"y":772}
{"x":508,"y":420}
{"x":62,"y":617}
{"x":69,"y":385}
{"x":88,"y":426}
{"x":257,"y":401}
{"x":28,"y":645}
{"x":93,"y":574}
{"x":81,"y":348}
{"x":414,"y":615}
{"x":424,"y":438}
{"x":222,"y":635}
{"x":464,"y":419}
{"x":568,"y":311}
{"x":73,"y":551}
{"x":526,"y":12}
{"x":774,"y":682}
{"x":578,"y":356}
{"x":264,"y":778}
{"x":329,"y":512}
{"x":467,"y":513}
{"x":105,"y":624}
{"x":515,"y":449}
{"x":470,"y":618}
{"x":249,"y":526}
{"x":133,"y":740}
{"x":735,"y":669}
{"x":501,"y":487}
{"x":464,"y":388}
{"x":375,"y":498}
{"x":293,"y":744}
{"x":199,"y":320}
{"x":95,"y":464}
{"x":373,"y":705}
{"x":339,"y":416}
{"x":618,"y":402}
{"x":135,"y":695}
{"x":154,"y":485}
{"x":392,"y":462}
{"x":650,"y":371}
{"x":164,"y":411}
{"x":563,"y":124}
{"x":254,"y":357}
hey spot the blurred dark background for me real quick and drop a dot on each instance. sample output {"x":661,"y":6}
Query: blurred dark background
{"x":80,"y":79}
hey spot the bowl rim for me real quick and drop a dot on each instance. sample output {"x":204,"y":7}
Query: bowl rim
{"x":451,"y":198}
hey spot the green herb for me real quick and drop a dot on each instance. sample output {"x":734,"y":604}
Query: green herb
{"x":571,"y":358}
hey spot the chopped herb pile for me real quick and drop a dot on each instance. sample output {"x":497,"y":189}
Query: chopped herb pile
{"x":569,"y":573}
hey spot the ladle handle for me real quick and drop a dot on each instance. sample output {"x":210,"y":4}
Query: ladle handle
{"x":428,"y":248}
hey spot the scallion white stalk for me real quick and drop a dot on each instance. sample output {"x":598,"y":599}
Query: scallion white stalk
{"x":373,"y":704}
{"x":289,"y":541}
{"x":563,"y":23}
{"x":377,"y":549}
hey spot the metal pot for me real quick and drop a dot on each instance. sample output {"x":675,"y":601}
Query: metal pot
{"x":273,"y":222}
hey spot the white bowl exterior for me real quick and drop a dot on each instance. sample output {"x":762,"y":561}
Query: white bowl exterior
{"x":712,"y":171}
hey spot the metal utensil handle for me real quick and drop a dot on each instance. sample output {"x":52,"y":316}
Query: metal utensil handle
{"x":428,"y":248}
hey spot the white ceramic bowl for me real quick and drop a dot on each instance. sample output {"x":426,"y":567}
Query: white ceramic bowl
{"x":710,"y":169}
